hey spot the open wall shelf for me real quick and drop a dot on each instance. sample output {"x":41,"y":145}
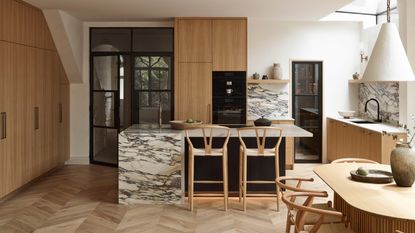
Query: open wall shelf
{"x":268,"y":81}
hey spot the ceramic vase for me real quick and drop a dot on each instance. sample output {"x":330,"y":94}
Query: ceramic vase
{"x":403,"y":165}
{"x":277,"y":71}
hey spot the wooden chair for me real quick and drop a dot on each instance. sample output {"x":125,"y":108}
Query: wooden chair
{"x":311,"y":218}
{"x":306,"y":208}
{"x":259,"y":151}
{"x":208,"y":151}
{"x":354,"y":160}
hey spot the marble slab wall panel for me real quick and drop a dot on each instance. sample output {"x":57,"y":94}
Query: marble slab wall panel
{"x":268,"y":100}
{"x":388,"y":96}
{"x":150,"y":168}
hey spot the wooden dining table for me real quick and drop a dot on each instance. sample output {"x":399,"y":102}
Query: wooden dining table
{"x":370,"y":208}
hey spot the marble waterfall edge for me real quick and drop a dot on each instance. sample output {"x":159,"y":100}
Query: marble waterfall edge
{"x":267,"y":100}
{"x":150,"y":168}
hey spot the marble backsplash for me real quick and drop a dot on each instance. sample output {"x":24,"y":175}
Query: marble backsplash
{"x":270,"y":101}
{"x":388,"y":96}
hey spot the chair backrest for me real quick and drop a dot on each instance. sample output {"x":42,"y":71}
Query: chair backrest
{"x":208,"y":138}
{"x":261,"y":132}
{"x":306,"y":208}
{"x":282,"y":184}
{"x":354,"y":160}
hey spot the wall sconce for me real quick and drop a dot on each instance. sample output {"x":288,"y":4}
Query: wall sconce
{"x":363,"y":57}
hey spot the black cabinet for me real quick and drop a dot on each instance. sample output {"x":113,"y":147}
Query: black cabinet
{"x":259,"y":168}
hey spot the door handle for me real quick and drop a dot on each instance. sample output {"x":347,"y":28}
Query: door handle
{"x":60,"y":114}
{"x":3,"y":125}
{"x":36,"y":118}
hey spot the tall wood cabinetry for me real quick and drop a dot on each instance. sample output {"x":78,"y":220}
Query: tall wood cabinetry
{"x":204,"y":45}
{"x":33,"y":139}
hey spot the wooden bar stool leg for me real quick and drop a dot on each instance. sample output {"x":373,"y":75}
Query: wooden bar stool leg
{"x":225,"y":178}
{"x":240,"y":175}
{"x":191,"y":179}
{"x":244,"y":180}
{"x":277,"y":174}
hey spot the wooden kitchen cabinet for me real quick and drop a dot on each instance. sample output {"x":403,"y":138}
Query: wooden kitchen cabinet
{"x":348,"y":140}
{"x":30,"y":77}
{"x":194,"y":91}
{"x":229,"y":44}
{"x":194,"y":40}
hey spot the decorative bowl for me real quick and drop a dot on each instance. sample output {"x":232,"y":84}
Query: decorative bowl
{"x":181,"y":125}
{"x":347,"y":114}
{"x":374,"y":176}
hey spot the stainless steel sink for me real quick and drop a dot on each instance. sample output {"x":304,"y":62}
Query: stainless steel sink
{"x":364,"y":122}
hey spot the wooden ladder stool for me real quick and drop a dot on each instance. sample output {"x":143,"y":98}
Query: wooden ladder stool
{"x":259,"y":151}
{"x":206,"y":152}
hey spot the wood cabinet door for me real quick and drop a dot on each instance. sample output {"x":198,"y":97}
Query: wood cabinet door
{"x":331,"y":138}
{"x":63,"y":116}
{"x":194,"y":91}
{"x":229,"y":45}
{"x":194,"y":40}
{"x":3,"y":113}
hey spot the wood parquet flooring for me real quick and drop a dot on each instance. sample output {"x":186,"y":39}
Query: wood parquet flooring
{"x":82,"y":198}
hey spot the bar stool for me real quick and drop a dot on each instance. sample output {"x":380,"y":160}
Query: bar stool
{"x":259,"y":151}
{"x":208,"y":151}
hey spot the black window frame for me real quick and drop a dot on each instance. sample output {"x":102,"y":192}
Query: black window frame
{"x":132,"y":54}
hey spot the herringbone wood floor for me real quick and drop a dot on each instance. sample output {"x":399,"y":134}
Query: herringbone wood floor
{"x":80,"y":198}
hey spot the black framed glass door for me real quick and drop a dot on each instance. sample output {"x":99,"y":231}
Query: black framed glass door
{"x":307,"y":79}
{"x":109,"y":74}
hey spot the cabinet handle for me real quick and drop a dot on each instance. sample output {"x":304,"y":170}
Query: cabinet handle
{"x":344,"y":125}
{"x":36,"y":118}
{"x":60,"y":114}
{"x":209,"y":114}
{"x":3,"y":125}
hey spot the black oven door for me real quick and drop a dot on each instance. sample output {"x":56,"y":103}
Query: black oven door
{"x":229,"y":111}
{"x":229,"y":84}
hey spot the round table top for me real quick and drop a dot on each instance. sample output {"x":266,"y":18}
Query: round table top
{"x":381,"y":199}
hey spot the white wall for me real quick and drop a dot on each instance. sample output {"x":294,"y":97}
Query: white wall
{"x":79,"y":94}
{"x":407,"y":32}
{"x":67,"y":33}
{"x":337,"y":44}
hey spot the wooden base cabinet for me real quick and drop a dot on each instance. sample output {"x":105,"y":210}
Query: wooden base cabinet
{"x":348,"y":140}
{"x":33,"y":140}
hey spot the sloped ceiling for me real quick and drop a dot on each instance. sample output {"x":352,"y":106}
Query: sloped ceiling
{"x":136,"y":10}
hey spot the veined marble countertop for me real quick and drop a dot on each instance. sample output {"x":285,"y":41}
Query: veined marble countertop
{"x":287,"y":131}
{"x":377,"y":127}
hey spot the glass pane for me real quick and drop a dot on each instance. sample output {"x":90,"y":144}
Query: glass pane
{"x":155,"y":99}
{"x":104,"y":109}
{"x":105,"y":145}
{"x":155,"y":80}
{"x":142,"y":61}
{"x":141,"y":80}
{"x":144,"y":99}
{"x":153,"y":40}
{"x":110,"y":40}
{"x":160,"y":62}
{"x":125,"y":92}
{"x":105,"y":72}
{"x":165,"y":83}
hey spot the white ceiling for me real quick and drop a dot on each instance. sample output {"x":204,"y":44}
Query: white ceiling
{"x":135,"y":10}
{"x":368,"y":6}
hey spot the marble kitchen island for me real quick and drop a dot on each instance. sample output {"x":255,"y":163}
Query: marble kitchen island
{"x":152,"y":162}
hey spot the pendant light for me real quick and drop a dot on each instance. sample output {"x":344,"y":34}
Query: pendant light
{"x":388,"y":62}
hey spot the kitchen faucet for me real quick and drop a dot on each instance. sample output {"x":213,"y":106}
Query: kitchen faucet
{"x":377,"y":102}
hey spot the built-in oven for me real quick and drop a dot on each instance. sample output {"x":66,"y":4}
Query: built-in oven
{"x":229,"y":97}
